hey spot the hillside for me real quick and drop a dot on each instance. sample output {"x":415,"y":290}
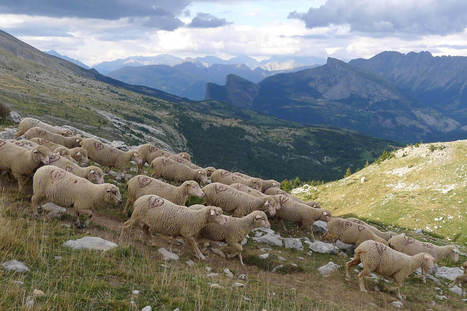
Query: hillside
{"x":423,"y":187}
{"x":355,"y":97}
{"x":37,"y":84}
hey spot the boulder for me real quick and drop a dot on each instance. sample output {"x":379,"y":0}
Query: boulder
{"x":322,"y":247}
{"x":456,"y":290}
{"x":344,"y":246}
{"x":15,"y":117}
{"x":53,"y":210}
{"x":89,"y":242}
{"x":320,"y":226}
{"x":449,"y":273}
{"x":168,"y":255}
{"x":293,"y":243}
{"x":15,"y":265}
{"x":8,"y":133}
{"x":272,"y":239}
{"x":328,"y":268}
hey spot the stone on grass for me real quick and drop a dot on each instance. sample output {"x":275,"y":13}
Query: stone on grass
{"x":397,"y":304}
{"x":272,"y":239}
{"x":147,"y":308}
{"x":344,"y":246}
{"x":168,"y":255}
{"x":228,"y":273}
{"x":277,"y":268}
{"x":293,"y":243}
{"x":212,"y":274}
{"x":320,"y":226}
{"x":328,"y":268}
{"x":238,"y":284}
{"x":190,"y":262}
{"x":15,"y":265}
{"x":449,"y":273}
{"x":15,"y":117}
{"x":215,"y":285}
{"x":90,"y":242}
{"x":264,"y":256}
{"x":53,"y":210}
{"x":456,"y":290}
{"x":322,"y":247}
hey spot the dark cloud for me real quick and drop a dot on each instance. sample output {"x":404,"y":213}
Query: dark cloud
{"x":205,"y":20}
{"x":417,"y":17}
{"x":35,"y":31}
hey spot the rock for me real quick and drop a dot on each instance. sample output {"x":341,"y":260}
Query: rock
{"x":310,"y":253}
{"x":53,"y":210}
{"x":38,"y":293}
{"x":244,"y":241}
{"x":228,"y":273}
{"x":363,"y":179}
{"x":272,"y":239}
{"x":119,"y":145}
{"x":456,"y":290}
{"x":215,"y":285}
{"x":135,"y":292}
{"x":176,"y":309}
{"x":208,"y":269}
{"x":15,"y":117}
{"x":29,"y":302}
{"x":147,"y":308}
{"x":320,"y":226}
{"x":264,"y":230}
{"x":328,"y":268}
{"x":277,"y":268}
{"x":58,"y":257}
{"x":89,"y":242}
{"x":449,"y":273}
{"x":322,"y":247}
{"x":344,"y":246}
{"x":430,"y":277}
{"x":264,"y":256}
{"x":168,"y":255}
{"x":243,"y":277}
{"x":190,"y":262}
{"x":300,"y":258}
{"x":16,"y":266}
{"x":265,"y":249}
{"x":441,"y":297}
{"x":212,"y":275}
{"x":8,"y":133}
{"x":19,"y":282}
{"x":246,"y":299}
{"x":218,"y":252}
{"x":238,"y":284}
{"x":397,"y":304}
{"x":293,"y":243}
{"x":281,"y":258}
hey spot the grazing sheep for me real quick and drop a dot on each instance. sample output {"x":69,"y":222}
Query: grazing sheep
{"x":28,"y":123}
{"x":385,"y":235}
{"x":157,"y":215}
{"x":110,"y":156}
{"x":21,"y":162}
{"x":270,"y":183}
{"x":180,"y":159}
{"x":349,"y":232}
{"x":411,"y":246}
{"x":26,"y":144}
{"x":209,"y":170}
{"x":237,"y":202}
{"x":142,"y":185}
{"x":91,"y":173}
{"x":46,"y":143}
{"x":172,"y":170}
{"x":228,"y":178}
{"x":274,"y":191}
{"x":53,"y":184}
{"x":78,"y":154}
{"x":462,"y":279}
{"x":277,"y":190}
{"x":150,"y":152}
{"x":302,"y":214}
{"x":235,"y":229}
{"x":249,"y":190}
{"x":37,"y":132}
{"x":390,"y":263}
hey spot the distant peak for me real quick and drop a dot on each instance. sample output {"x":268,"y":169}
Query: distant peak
{"x":334,"y":61}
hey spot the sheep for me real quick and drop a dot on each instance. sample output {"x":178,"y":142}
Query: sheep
{"x":92,"y":173}
{"x":388,"y":262}
{"x":150,"y":152}
{"x":26,"y":144}
{"x":172,"y":170}
{"x":56,"y":185}
{"x":21,"y":162}
{"x":28,"y":123}
{"x":158,"y":215}
{"x":462,"y":279}
{"x":277,"y":190}
{"x":142,"y":185}
{"x":237,"y":202}
{"x":270,"y":183}
{"x":249,"y":190}
{"x":209,"y":170}
{"x":46,"y":143}
{"x":228,"y":178}
{"x":297,"y":212}
{"x":78,"y":154}
{"x":235,"y":229}
{"x":411,"y":246}
{"x":70,"y":142}
{"x":110,"y":156}
{"x":349,"y":232}
{"x":180,"y":159}
{"x":385,"y":235}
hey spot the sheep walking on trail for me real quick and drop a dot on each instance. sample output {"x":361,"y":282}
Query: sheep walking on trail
{"x":382,"y":234}
{"x":172,"y":170}
{"x":150,"y":152}
{"x":388,"y":262}
{"x":228,"y":178}
{"x":53,"y":184}
{"x":78,"y":154}
{"x":350,"y":232}
{"x":28,"y":123}
{"x":157,"y":215}
{"x":92,"y":173}
{"x":37,"y":132}
{"x":46,"y":143}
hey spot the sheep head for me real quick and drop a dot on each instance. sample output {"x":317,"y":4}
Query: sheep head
{"x":209,"y":170}
{"x":260,"y":220}
{"x":95,"y":175}
{"x":41,"y":154}
{"x":428,"y":262}
{"x":270,"y":206}
{"x":255,"y":183}
{"x":67,"y":132}
{"x":215,"y":215}
{"x":453,"y":253}
{"x":81,"y":155}
{"x":112,"y":194}
{"x":185,"y":156}
{"x":202,"y":177}
{"x":192,"y":188}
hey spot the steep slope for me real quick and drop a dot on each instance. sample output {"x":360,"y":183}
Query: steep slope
{"x":37,"y":84}
{"x":421,"y":187}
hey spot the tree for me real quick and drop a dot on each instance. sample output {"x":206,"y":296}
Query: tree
{"x":366,"y":164}
{"x":348,"y":173}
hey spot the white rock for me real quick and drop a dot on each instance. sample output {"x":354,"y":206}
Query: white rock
{"x":8,"y":133}
{"x":265,"y":249}
{"x":277,"y":268}
{"x":293,"y":243}
{"x":29,"y":302}
{"x":53,"y":210}
{"x":300,"y":258}
{"x":328,"y":268}
{"x":363,"y":179}
{"x":270,"y":239}
{"x":238,"y":284}
{"x":244,"y":241}
{"x":119,"y":145}
{"x":456,"y":290}
{"x":320,"y":226}
{"x":397,"y":304}
{"x":228,"y":273}
{"x":15,"y":117}
{"x":441,"y":297}
{"x":281,"y":258}
{"x":147,"y":308}
{"x":344,"y":246}
{"x":212,"y":274}
{"x":246,"y":299}
{"x":215,"y":285}
{"x":19,"y":282}
{"x":16,"y":266}
{"x":264,"y":256}
{"x":208,"y":269}
{"x":89,"y":242}
{"x":322,"y":247}
{"x":135,"y":292}
{"x":449,"y":273}
{"x":190,"y":262}
{"x":176,"y":309}
{"x":168,"y":255}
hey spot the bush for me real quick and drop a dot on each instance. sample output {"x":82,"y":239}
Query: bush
{"x":4,"y":111}
{"x":385,"y":156}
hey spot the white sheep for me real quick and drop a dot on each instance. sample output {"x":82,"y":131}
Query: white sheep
{"x":209,"y":170}
{"x":78,"y":154}
{"x":53,"y":184}
{"x":172,"y":170}
{"x":28,"y":123}
{"x":37,"y":132}
{"x":21,"y":162}
{"x":92,"y":173}
{"x":462,"y":279}
{"x":228,"y":178}
{"x":110,"y":156}
{"x":46,"y":143}
{"x":249,"y":190}
{"x":142,"y":185}
{"x":382,"y":234}
{"x":235,"y":229}
{"x":27,"y":144}
{"x":269,"y":183}
{"x":350,"y":232}
{"x":157,"y":215}
{"x":411,"y":246}
{"x":150,"y":152}
{"x":237,"y":202}
{"x":388,"y":262}
{"x":277,"y":190}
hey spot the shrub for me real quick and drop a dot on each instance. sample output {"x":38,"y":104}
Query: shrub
{"x":4,"y":111}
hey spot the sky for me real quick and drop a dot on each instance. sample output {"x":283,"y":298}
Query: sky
{"x":93,"y":31}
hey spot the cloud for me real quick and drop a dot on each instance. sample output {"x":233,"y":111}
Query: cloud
{"x":415,"y":17}
{"x":205,"y":20}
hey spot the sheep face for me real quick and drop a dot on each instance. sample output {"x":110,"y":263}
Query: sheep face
{"x":428,"y":262}
{"x":202,"y":177}
{"x":270,"y":206}
{"x":325,"y":216}
{"x":95,"y":175}
{"x":328,"y":236}
{"x":454,"y":254}
{"x":261,"y":220}
{"x":185,"y":155}
{"x":138,"y":158}
{"x":81,"y":156}
{"x":112,"y":195}
{"x":215,"y":216}
{"x":192,"y":188}
{"x":41,"y":154}
{"x":255,"y":183}
{"x":67,"y":132}
{"x":209,"y":170}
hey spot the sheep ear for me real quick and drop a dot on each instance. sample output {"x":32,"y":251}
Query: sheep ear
{"x":92,"y":171}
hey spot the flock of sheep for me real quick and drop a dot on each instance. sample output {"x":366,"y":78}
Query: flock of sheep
{"x":56,"y":160}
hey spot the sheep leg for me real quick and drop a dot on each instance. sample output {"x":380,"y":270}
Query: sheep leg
{"x":127,"y":226}
{"x":351,"y":263}
{"x":237,"y":251}
{"x":423,"y":275}
{"x":129,"y":201}
{"x":361,"y":280}
{"x":283,"y":225}
{"x":21,"y":182}
{"x":36,"y":202}
{"x":195,"y":247}
{"x":147,"y":234}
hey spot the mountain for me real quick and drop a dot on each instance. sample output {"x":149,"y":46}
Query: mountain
{"x":59,"y":92}
{"x":163,"y":59}
{"x":188,"y":79}
{"x":407,"y":190}
{"x":349,"y":96}
{"x":74,"y":61}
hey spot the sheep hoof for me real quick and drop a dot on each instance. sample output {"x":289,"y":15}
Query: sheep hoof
{"x":364,"y":291}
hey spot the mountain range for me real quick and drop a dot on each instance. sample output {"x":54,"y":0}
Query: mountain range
{"x":57,"y":91}
{"x":403,"y":97}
